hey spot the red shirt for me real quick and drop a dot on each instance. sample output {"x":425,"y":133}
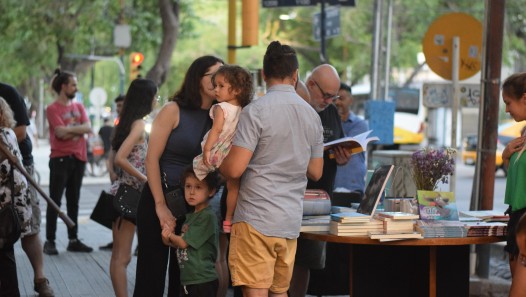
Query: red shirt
{"x":67,"y":115}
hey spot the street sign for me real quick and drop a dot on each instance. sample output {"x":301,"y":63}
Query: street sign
{"x":98,"y":96}
{"x":438,"y":45}
{"x":437,"y":95}
{"x":284,"y":3}
{"x":332,"y":23}
{"x":122,"y":36}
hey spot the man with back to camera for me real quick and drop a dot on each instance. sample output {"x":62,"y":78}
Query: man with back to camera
{"x":68,"y":124}
{"x":351,"y":176}
{"x":322,"y":85}
{"x":267,"y":218}
{"x":31,"y":243}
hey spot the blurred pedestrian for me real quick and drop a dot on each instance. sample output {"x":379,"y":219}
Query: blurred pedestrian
{"x":176,"y":135}
{"x":11,"y":179}
{"x":31,"y":243}
{"x":68,"y":125}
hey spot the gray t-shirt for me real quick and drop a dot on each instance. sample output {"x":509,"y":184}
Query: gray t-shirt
{"x":284,"y":133}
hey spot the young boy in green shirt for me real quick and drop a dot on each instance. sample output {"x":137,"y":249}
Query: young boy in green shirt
{"x":198,"y":244}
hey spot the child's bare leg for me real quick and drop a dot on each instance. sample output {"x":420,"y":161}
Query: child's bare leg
{"x":231,"y":201}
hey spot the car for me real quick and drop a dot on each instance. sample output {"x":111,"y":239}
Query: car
{"x":469,"y":153}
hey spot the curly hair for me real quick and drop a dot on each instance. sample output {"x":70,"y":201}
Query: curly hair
{"x":189,"y":94}
{"x":137,"y":104}
{"x":239,"y":79}
{"x":7,"y":118}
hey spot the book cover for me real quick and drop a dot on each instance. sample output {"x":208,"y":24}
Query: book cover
{"x":486,"y":215}
{"x":377,"y":225}
{"x":394,"y":235}
{"x":437,"y":206}
{"x":354,"y":144}
{"x":350,"y":217}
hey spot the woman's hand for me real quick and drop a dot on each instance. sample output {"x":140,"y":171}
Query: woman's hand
{"x":165,"y":234}
{"x":166,"y":219}
{"x":513,"y":146}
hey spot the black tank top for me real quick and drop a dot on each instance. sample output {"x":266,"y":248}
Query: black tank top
{"x":184,"y":143}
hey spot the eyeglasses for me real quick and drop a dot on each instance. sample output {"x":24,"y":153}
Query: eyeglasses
{"x":326,"y":96}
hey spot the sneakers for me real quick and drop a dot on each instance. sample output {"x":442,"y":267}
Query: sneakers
{"x":42,"y":288}
{"x":107,"y":247}
{"x":76,"y":245}
{"x":50,"y":248}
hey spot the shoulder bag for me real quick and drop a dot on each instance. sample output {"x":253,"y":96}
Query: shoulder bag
{"x":10,"y":227}
{"x":126,"y":201}
{"x":175,"y":201}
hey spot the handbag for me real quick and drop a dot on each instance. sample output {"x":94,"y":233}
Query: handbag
{"x":10,"y":227}
{"x":126,"y":201}
{"x":176,"y":203}
{"x":103,"y":212}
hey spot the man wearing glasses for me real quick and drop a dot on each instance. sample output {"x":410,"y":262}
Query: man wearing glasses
{"x":323,"y":85}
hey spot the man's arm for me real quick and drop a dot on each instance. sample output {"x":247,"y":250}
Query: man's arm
{"x":64,"y":132}
{"x":315,"y":169}
{"x":236,"y":162}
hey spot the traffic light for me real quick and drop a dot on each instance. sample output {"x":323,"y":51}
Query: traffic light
{"x":136,"y":60}
{"x":250,"y":21}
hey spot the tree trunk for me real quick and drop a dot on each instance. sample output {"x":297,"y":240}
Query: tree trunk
{"x":170,"y":19}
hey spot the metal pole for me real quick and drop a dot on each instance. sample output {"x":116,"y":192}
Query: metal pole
{"x":388,"y":49}
{"x":323,"y":56}
{"x":376,"y":48}
{"x":456,"y":98}
{"x":232,"y":31}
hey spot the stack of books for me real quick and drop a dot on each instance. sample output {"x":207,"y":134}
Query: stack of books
{"x":348,"y":224}
{"x":315,"y":223}
{"x":397,"y":221}
{"x":484,"y":215}
{"x":486,"y":229}
{"x":396,"y":226}
{"x":441,"y":228}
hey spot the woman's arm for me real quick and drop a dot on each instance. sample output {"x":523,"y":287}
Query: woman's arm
{"x":136,"y":136}
{"x":164,"y":123}
{"x":213,"y":134}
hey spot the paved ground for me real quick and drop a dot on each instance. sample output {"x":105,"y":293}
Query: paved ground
{"x":73,"y":274}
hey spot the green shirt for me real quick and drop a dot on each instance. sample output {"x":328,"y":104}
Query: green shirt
{"x":516,"y":182}
{"x":197,"y":261}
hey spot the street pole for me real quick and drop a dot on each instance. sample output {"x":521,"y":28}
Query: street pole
{"x":376,"y":49}
{"x":323,"y":56}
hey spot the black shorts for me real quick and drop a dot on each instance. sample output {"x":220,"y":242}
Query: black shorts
{"x":511,"y":243}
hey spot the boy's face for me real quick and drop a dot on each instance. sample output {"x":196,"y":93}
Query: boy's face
{"x":197,"y":193}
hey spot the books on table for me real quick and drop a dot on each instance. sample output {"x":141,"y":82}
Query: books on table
{"x":441,"y":228}
{"x":486,"y":228}
{"x":484,"y":215}
{"x":390,"y":236}
{"x":437,"y":206}
{"x":397,"y":215}
{"x":353,"y":144}
{"x":315,"y":223}
{"x":355,"y":228}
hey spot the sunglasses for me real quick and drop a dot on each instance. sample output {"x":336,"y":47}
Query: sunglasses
{"x":326,"y":96}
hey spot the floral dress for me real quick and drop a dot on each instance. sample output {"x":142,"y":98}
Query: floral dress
{"x":21,"y":187}
{"x":222,"y":147}
{"x":136,"y":159}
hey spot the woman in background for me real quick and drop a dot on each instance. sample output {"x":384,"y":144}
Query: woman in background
{"x":129,"y":144}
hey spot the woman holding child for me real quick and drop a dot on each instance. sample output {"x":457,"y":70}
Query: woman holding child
{"x":175,"y":140}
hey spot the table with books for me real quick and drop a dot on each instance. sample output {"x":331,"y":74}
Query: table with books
{"x":410,"y":267}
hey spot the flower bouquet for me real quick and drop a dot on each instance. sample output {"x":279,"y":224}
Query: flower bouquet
{"x":430,"y":166}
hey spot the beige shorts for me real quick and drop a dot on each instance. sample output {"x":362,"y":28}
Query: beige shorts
{"x":258,"y":261}
{"x":36,"y":218}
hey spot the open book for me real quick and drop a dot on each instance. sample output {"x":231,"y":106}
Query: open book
{"x":354,"y":144}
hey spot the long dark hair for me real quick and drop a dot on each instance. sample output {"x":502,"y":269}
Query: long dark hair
{"x":189,"y":95}
{"x":137,"y":104}
{"x":60,"y":78}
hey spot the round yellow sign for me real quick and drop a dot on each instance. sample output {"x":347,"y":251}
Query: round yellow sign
{"x":438,"y":45}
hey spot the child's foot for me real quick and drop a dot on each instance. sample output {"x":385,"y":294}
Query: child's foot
{"x":227,"y":226}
